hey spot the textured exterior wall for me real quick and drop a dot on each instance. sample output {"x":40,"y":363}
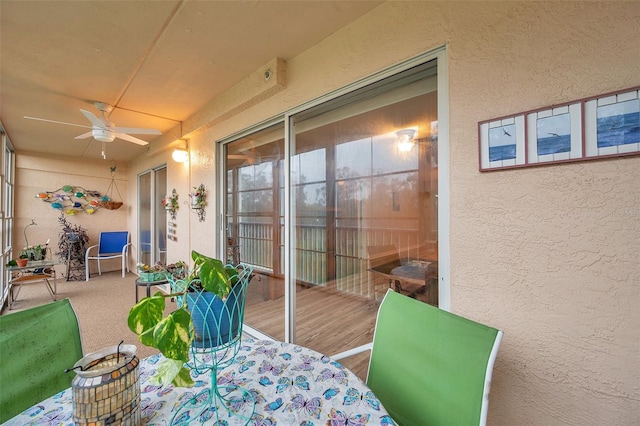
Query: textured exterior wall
{"x":550,"y":255}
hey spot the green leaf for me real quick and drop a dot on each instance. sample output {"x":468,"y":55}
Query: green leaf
{"x":173,"y":335}
{"x":183,"y":378}
{"x":212,"y":274}
{"x":168,"y":370}
{"x":145,"y":314}
{"x":146,"y":338}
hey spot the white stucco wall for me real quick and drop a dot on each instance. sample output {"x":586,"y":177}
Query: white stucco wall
{"x":550,"y":255}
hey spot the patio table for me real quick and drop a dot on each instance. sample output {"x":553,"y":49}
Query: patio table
{"x":290,"y":384}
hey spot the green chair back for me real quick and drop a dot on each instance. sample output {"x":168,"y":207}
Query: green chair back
{"x":429,"y":366}
{"x":36,"y":346}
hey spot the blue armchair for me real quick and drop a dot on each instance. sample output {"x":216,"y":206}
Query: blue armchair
{"x":111,"y":245}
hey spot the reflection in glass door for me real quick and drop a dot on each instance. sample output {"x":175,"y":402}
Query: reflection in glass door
{"x":364,"y":190}
{"x":152,"y":187}
{"x":254,"y":217}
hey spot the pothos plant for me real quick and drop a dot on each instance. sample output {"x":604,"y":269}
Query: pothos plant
{"x":172,"y":334}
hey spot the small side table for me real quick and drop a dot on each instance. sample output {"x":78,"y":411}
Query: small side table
{"x":139,"y":283}
{"x":36,"y":270}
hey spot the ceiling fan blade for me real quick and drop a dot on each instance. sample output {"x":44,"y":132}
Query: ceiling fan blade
{"x":130,"y":138}
{"x":57,"y":122}
{"x":136,"y":131}
{"x":84,"y":135}
{"x":95,"y":121}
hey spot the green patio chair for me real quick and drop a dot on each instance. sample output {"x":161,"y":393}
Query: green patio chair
{"x":429,"y":366}
{"x":36,"y":346}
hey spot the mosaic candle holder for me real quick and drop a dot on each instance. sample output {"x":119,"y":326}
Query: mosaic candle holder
{"x":106,"y":389}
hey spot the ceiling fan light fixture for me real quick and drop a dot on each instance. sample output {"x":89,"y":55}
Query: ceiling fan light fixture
{"x":103,"y":135}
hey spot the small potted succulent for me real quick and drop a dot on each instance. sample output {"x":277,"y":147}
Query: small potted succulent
{"x":175,"y":334}
{"x":153,"y":273}
{"x":178,"y":270}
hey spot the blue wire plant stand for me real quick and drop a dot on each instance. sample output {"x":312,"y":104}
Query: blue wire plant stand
{"x":218,"y":332}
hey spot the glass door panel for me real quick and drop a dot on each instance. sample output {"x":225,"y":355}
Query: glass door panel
{"x":364,"y":191}
{"x":160,"y":216}
{"x":152,"y":187}
{"x":144,"y":218}
{"x":254,"y":219}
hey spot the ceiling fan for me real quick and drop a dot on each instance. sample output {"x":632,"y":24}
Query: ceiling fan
{"x":103,"y":130}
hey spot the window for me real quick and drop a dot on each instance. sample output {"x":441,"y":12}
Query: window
{"x":7,"y":185}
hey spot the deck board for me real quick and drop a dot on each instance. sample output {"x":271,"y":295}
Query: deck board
{"x":328,"y":321}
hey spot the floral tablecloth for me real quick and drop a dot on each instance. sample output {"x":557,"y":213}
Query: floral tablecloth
{"x":290,"y":384}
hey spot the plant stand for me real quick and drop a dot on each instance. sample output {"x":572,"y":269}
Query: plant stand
{"x":75,"y":260}
{"x":224,"y":402}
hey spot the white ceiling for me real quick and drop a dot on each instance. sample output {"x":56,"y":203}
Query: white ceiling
{"x":157,"y":62}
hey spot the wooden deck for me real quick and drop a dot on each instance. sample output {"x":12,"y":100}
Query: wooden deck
{"x":328,"y":321}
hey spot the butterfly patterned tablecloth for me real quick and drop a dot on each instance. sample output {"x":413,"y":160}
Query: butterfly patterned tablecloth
{"x":291,"y":384}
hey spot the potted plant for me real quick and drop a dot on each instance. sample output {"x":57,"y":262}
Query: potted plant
{"x":153,"y":273}
{"x":178,"y":270}
{"x":174,"y":334}
{"x":170,"y":203}
{"x":23,"y":259}
{"x":36,"y":252}
{"x":73,"y":241}
{"x":198,"y":197}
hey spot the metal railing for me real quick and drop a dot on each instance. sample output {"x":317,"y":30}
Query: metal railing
{"x":312,"y":253}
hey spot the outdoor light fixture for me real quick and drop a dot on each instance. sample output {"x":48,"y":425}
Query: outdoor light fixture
{"x":180,"y":155}
{"x":405,"y":139}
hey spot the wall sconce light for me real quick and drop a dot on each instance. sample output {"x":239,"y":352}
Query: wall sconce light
{"x":405,"y":139}
{"x":180,"y":155}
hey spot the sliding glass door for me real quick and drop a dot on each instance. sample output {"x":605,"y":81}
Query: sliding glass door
{"x":152,"y":220}
{"x":336,"y":208}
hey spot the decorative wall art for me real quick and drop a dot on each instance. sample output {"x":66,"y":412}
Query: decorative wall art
{"x":170,"y":203}
{"x":612,"y":124}
{"x":592,"y":128}
{"x":502,"y":142}
{"x":199,"y":201}
{"x":172,"y":232}
{"x":72,"y":199}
